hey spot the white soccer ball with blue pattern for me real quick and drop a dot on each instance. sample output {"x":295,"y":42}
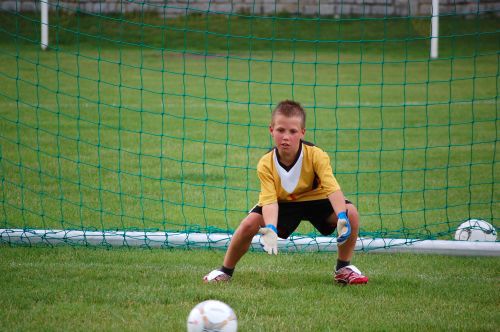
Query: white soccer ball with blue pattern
{"x":476,"y":230}
{"x":211,"y":316}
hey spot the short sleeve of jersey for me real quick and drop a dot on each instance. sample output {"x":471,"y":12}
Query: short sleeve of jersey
{"x":268,"y":192}
{"x":324,"y":172}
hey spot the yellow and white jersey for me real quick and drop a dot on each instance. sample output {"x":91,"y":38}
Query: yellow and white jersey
{"x":309,"y":178}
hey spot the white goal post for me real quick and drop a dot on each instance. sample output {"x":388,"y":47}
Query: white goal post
{"x":44,"y":22}
{"x":435,"y":29}
{"x":221,"y":241}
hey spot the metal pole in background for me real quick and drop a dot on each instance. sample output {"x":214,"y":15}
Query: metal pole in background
{"x":435,"y":29}
{"x":44,"y":8}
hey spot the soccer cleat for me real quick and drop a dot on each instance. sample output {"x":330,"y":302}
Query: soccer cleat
{"x":350,"y":275}
{"x":216,"y":276}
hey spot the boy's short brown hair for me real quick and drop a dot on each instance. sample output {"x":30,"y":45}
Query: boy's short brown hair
{"x":289,"y":108}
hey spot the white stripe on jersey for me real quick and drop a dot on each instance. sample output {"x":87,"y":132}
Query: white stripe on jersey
{"x":290,"y":179}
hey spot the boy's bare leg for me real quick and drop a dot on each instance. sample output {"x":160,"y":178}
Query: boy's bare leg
{"x":249,"y":227}
{"x":242,"y":238}
{"x":346,"y":251}
{"x":349,"y":274}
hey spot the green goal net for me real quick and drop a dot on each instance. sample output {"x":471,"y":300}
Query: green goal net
{"x":149,"y":117}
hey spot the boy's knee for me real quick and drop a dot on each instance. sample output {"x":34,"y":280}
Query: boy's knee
{"x":353,"y":215}
{"x":249,"y":226}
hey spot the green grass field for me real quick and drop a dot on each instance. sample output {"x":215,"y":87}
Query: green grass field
{"x":61,"y":289}
{"x":136,"y":122}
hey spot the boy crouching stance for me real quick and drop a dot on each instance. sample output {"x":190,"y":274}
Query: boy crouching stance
{"x":297,"y":183}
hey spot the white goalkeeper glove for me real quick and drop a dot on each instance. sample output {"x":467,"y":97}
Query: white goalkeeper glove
{"x":343,"y":228}
{"x":269,"y":239}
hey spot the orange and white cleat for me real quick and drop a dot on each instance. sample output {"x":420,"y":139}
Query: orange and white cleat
{"x":350,"y":275}
{"x":216,"y":276}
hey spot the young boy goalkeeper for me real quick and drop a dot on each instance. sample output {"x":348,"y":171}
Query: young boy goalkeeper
{"x":297,"y":184}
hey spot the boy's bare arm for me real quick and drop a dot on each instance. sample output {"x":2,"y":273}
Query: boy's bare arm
{"x":337,"y":200}
{"x":270,"y":214}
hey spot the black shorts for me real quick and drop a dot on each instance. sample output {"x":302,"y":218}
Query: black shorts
{"x":290,"y":214}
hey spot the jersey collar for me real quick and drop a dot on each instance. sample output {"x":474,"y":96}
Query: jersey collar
{"x":288,"y":168}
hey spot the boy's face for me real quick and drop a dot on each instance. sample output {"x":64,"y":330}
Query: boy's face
{"x":287,"y":133}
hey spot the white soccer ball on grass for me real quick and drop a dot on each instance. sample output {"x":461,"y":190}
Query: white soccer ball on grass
{"x":212,"y":315}
{"x":476,"y":230}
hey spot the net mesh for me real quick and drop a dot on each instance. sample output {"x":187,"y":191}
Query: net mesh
{"x":154,"y":120}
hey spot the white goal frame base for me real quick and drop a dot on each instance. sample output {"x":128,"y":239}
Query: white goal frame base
{"x":54,"y":237}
